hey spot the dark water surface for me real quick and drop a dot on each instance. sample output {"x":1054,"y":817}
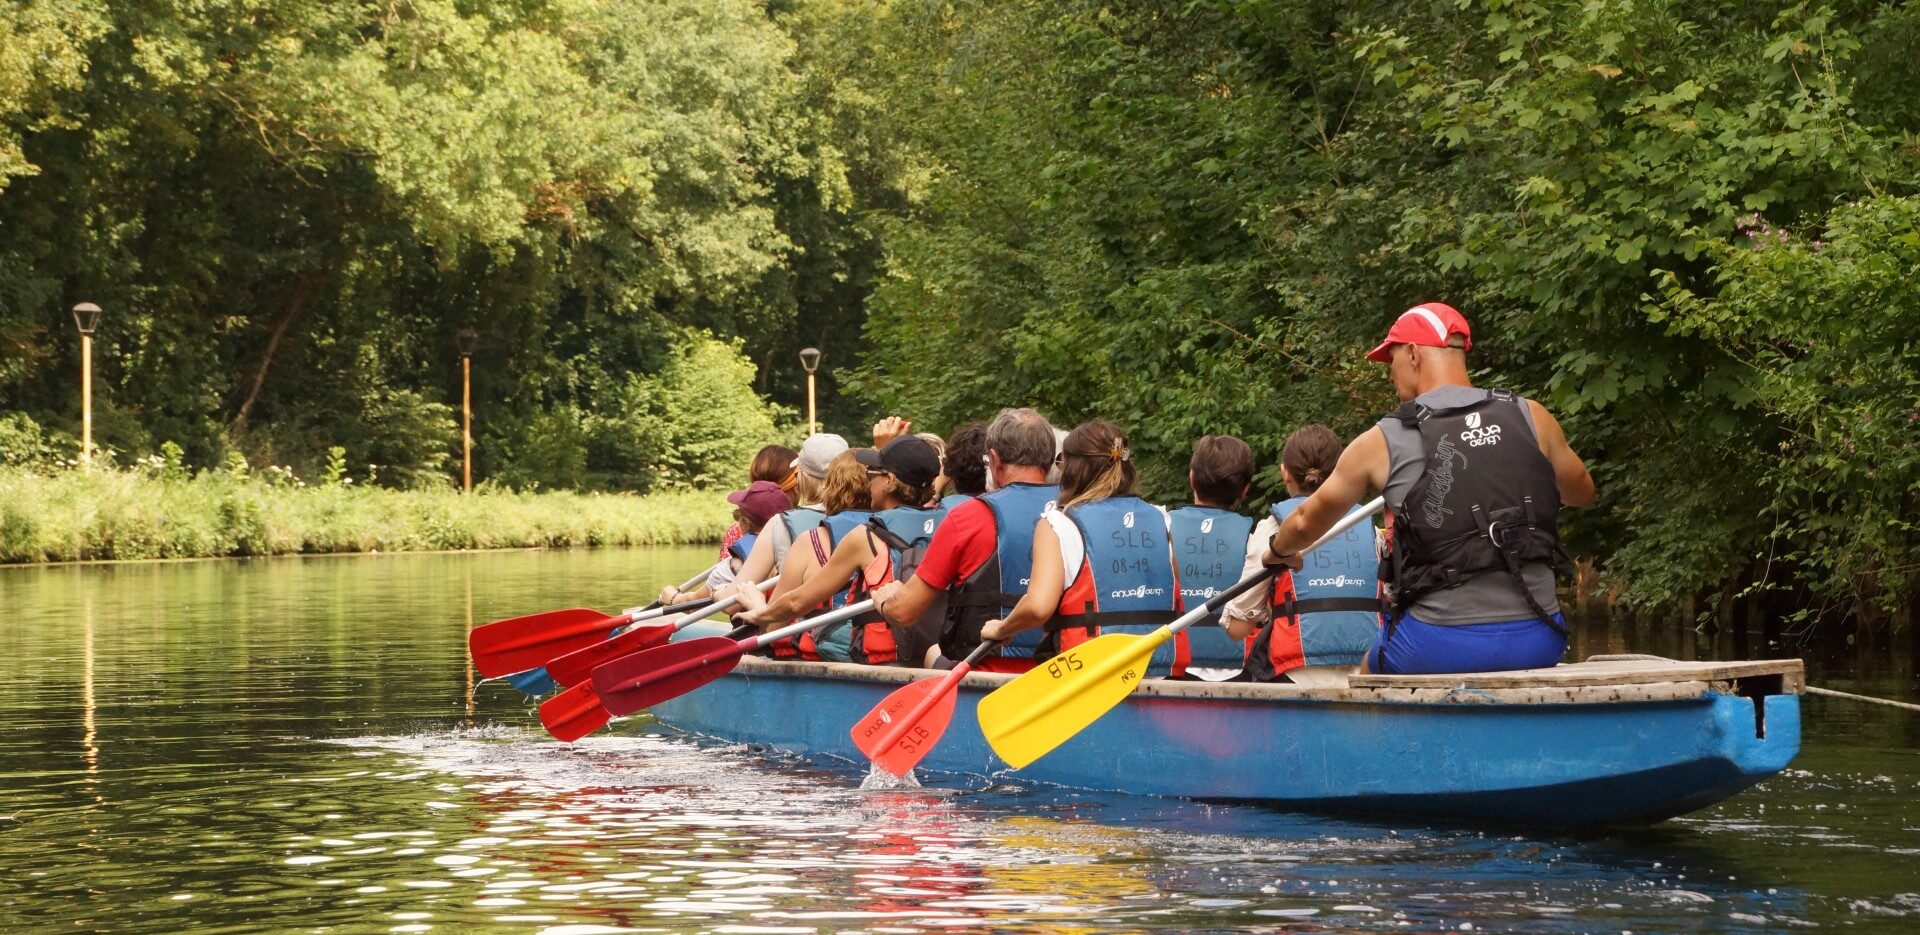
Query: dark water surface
{"x":297,"y":745}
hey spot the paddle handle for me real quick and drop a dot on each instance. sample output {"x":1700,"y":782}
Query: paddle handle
{"x":802,"y":626}
{"x":718,"y":607}
{"x":1220,"y":600}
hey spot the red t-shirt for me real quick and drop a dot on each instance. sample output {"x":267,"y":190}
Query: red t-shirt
{"x":963,"y":543}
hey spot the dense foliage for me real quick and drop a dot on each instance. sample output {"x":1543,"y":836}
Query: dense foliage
{"x":289,"y":207}
{"x":1685,"y":227}
{"x":1688,"y":228}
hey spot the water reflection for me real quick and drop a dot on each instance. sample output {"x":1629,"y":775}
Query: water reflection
{"x":281,"y":743}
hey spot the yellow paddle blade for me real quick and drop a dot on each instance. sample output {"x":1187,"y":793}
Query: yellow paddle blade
{"x":1043,"y":708}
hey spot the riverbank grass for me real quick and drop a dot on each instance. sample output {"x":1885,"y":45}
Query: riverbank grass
{"x":109,"y":514}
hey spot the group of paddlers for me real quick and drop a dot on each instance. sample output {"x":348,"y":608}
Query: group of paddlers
{"x":1015,"y":533}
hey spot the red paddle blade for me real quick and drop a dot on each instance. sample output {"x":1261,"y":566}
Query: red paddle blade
{"x":517,"y":644}
{"x":574,"y":713}
{"x":651,"y":676}
{"x":900,"y":730}
{"x":577,"y":666}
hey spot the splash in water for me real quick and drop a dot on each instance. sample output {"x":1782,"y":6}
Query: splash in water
{"x":880,"y":780}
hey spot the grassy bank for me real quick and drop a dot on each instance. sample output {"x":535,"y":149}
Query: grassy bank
{"x":132,"y":515}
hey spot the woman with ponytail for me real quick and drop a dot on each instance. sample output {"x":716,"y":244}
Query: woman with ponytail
{"x":1102,"y":559}
{"x":1324,"y":615}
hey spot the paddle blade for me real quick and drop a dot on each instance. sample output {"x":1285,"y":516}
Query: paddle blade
{"x":516,"y":644}
{"x":577,"y":666}
{"x":900,"y":730}
{"x":574,"y":713}
{"x":1044,"y":708}
{"x":534,"y":682}
{"x":651,"y":676}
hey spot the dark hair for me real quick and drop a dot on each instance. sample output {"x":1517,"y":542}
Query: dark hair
{"x":1095,"y":464}
{"x":1023,"y":437}
{"x":967,"y":459}
{"x":1222,"y":467}
{"x":1310,"y":454}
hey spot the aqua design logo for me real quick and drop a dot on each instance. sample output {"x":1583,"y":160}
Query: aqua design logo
{"x":1127,"y":520}
{"x":1206,"y":525}
{"x":1339,"y":582}
{"x":1138,"y":591}
{"x":927,"y":527}
{"x":1475,"y":436}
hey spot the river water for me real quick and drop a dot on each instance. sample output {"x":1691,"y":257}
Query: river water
{"x":298,"y":745}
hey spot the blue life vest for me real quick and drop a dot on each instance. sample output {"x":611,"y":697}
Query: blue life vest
{"x":1127,"y":584}
{"x":903,"y":533}
{"x":992,"y":589}
{"x":799,"y":521}
{"x":838,"y":526}
{"x":952,"y":500}
{"x":742,"y":546}
{"x":1209,"y":549}
{"x":1328,"y":612}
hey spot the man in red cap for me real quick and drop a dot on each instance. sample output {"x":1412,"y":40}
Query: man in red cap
{"x":1474,"y":480}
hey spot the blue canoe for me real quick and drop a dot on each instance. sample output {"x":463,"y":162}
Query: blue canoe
{"x":1616,"y":739}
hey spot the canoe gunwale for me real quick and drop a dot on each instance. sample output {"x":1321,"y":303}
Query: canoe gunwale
{"x":1563,"y":685}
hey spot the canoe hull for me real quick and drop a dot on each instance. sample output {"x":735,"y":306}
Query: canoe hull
{"x":1461,"y":759}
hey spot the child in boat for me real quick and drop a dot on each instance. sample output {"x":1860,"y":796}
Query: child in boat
{"x":900,"y":480}
{"x":847,"y":503}
{"x":1329,"y":611}
{"x":809,"y":477}
{"x":1210,"y":542}
{"x":1102,"y":562}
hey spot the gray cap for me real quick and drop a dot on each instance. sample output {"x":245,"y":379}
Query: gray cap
{"x":817,"y":452}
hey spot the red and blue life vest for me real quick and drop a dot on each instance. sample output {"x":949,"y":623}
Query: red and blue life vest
{"x":1325,"y":614}
{"x":836,"y":528}
{"x":899,"y":538}
{"x":992,"y":589}
{"x":1126,"y":582}
{"x":1209,"y":551}
{"x":741,"y":546}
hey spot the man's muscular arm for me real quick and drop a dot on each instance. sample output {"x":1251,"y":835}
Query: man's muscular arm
{"x":1362,"y":469}
{"x":1569,"y":472}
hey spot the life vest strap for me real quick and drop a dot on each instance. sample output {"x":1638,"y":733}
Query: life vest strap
{"x":1322,"y":605}
{"x":1111,"y":618}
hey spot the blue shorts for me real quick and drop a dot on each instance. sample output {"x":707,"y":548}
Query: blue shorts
{"x":1417,"y":648}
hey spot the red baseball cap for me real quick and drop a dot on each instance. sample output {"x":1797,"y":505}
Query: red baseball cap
{"x":761,"y":501}
{"x":1427,"y":325}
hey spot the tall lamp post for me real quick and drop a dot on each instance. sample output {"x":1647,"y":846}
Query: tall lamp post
{"x":810,"y":359}
{"x":86,"y":317}
{"x":466,"y":338}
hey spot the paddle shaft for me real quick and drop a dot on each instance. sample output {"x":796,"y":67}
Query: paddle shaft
{"x":947,"y":684}
{"x":741,"y":647}
{"x":655,"y":609}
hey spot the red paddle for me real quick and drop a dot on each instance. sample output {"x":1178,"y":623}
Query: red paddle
{"x":517,"y":644}
{"x":577,"y":712}
{"x":574,"y":667}
{"x":651,"y":676}
{"x":900,"y":730}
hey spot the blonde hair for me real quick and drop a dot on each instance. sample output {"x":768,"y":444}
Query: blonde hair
{"x":845,"y":486}
{"x":1095,"y":464}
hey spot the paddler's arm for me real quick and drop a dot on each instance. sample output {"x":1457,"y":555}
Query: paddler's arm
{"x":1044,"y":588}
{"x":902,"y":604}
{"x":1569,"y":472}
{"x":1362,"y":468}
{"x":847,"y":559}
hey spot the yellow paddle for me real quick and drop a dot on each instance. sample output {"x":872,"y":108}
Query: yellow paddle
{"x":1044,"y":708}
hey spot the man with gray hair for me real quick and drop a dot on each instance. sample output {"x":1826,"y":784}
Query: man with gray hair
{"x":980,"y":558}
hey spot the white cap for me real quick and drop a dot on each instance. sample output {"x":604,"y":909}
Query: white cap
{"x":817,"y":452}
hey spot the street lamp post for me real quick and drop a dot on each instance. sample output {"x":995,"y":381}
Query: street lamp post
{"x":810,"y":359}
{"x":86,"y":317}
{"x":466,"y":338}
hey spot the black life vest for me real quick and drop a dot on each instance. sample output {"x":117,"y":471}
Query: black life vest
{"x":1486,"y":502}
